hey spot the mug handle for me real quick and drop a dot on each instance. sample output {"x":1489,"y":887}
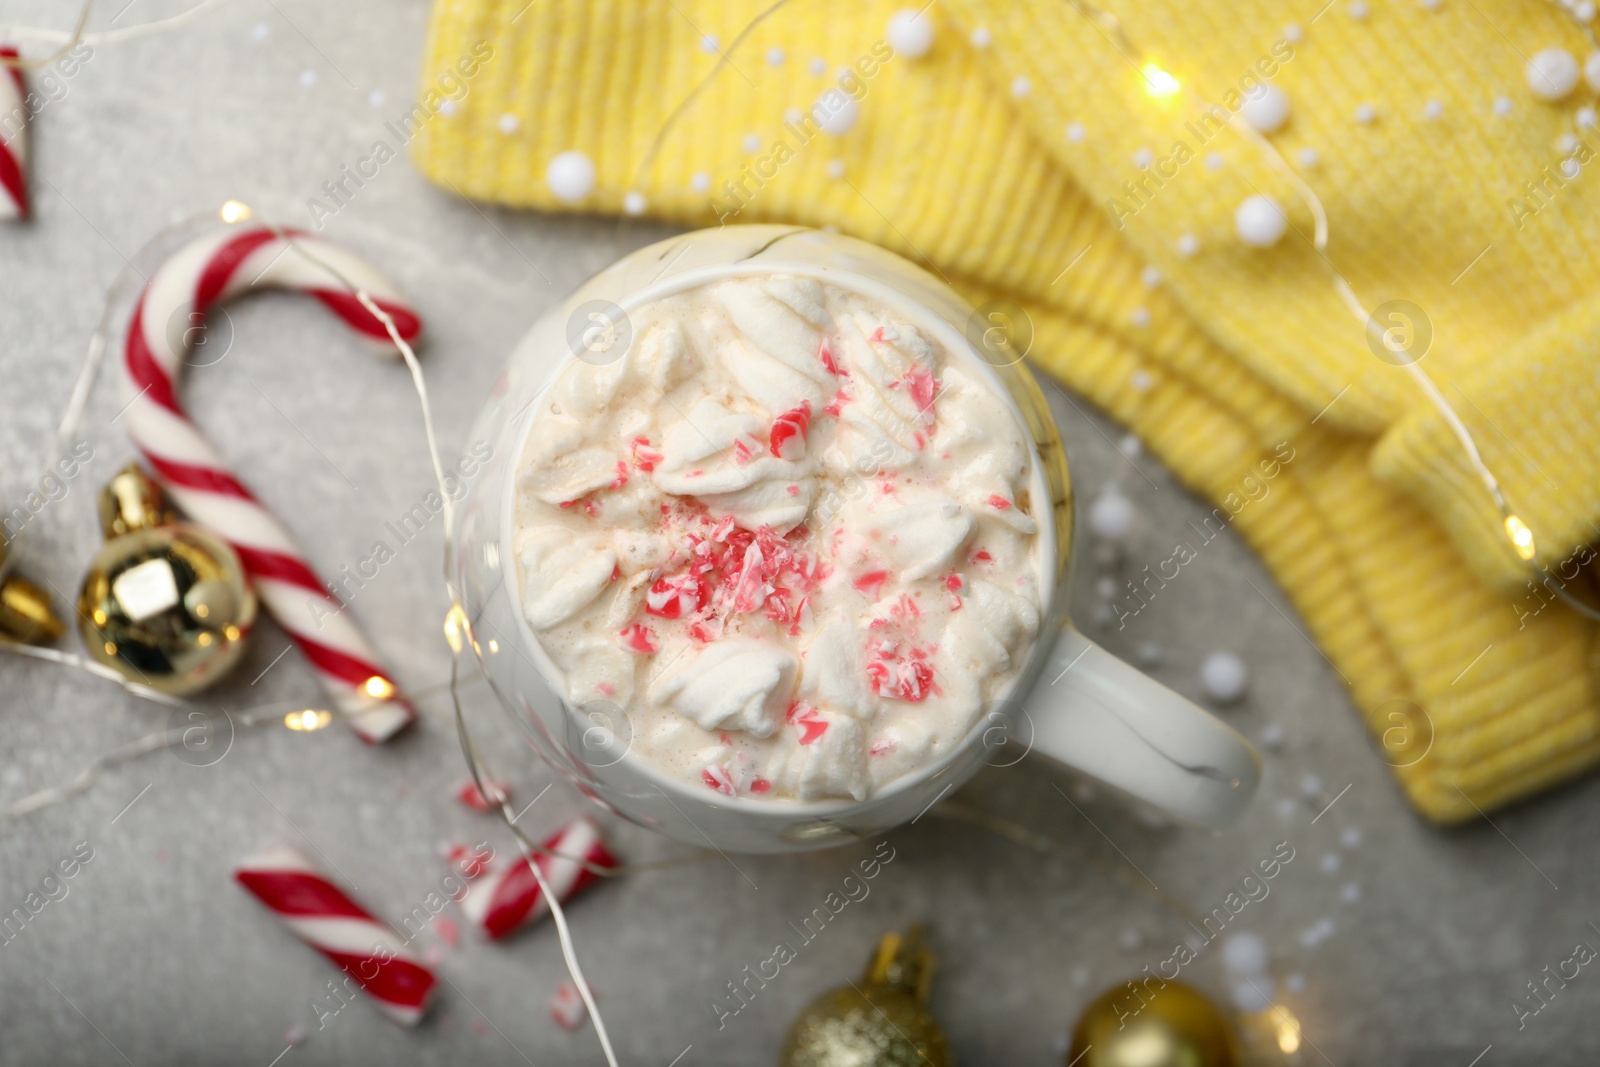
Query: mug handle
{"x":1115,"y":723}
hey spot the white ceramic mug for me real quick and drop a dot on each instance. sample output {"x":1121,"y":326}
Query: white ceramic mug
{"x":1072,"y":701}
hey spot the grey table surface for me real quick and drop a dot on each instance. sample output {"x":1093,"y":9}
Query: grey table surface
{"x":1394,"y":942}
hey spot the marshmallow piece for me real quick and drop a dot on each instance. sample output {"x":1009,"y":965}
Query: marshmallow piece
{"x":832,"y":675}
{"x":565,"y":572}
{"x":784,"y":318}
{"x":1010,"y":619}
{"x":779,"y":499}
{"x":835,"y":763}
{"x":709,"y":428}
{"x":770,"y":381}
{"x":736,"y":684}
{"x":923,"y":537}
{"x":663,"y":355}
{"x":558,"y":467}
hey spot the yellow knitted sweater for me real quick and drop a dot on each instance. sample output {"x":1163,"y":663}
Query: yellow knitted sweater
{"x":1040,"y":152}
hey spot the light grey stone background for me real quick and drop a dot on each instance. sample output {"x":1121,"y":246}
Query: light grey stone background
{"x":1394,"y":942}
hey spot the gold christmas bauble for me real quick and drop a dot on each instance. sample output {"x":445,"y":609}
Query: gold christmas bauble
{"x":25,"y":611}
{"x":167,"y":606}
{"x":882,"y":1021}
{"x":1152,"y":1023}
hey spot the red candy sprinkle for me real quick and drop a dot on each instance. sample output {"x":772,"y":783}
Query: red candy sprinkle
{"x":645,"y":455}
{"x":871,"y":583}
{"x":998,"y":502}
{"x":923,"y":388}
{"x":719,"y":779}
{"x":676,"y":596}
{"x":760,"y":785}
{"x":622,"y":476}
{"x":906,"y":677}
{"x":639,"y":638}
{"x":981,"y":556}
{"x":469,"y":795}
{"x":804,"y":718}
{"x":826,"y":355}
{"x":788,"y":436}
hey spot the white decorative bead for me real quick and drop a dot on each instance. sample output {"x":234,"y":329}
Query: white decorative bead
{"x":508,"y":123}
{"x":1431,"y":5}
{"x":982,"y":38}
{"x":1141,"y":381}
{"x":1502,"y":106}
{"x":1111,"y":514}
{"x":1130,"y":445}
{"x":911,"y":32}
{"x":1365,"y":113}
{"x":1293,"y":33}
{"x":700,"y":182}
{"x":835,"y":169}
{"x":710,"y":45}
{"x":1567,"y":144}
{"x":634,"y":203}
{"x":1584,"y":12}
{"x":1223,"y":677}
{"x":1140,"y":317}
{"x":1187,"y":245}
{"x":752,"y":143}
{"x":1021,"y":86}
{"x":1552,"y":74}
{"x":1585,"y":118}
{"x":1432,"y":109}
{"x":1151,"y":277}
{"x":1148,"y":654}
{"x":1260,"y":221}
{"x":1591,"y":71}
{"x":1075,"y":132}
{"x":841,"y":119}
{"x":818,"y":66}
{"x":1309,"y":157}
{"x":1143,"y":158}
{"x":1569,"y":168}
{"x":775,"y":57}
{"x":570,"y":176}
{"x":1358,"y":9}
{"x":1214,"y":161}
{"x":1245,"y":954}
{"x":1267,"y":109}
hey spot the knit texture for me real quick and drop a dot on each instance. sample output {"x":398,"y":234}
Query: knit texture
{"x":1025,"y":157}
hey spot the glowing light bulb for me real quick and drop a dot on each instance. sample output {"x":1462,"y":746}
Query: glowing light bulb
{"x":455,"y":625}
{"x":234,"y":211}
{"x":307,"y":720}
{"x":1158,"y":82}
{"x":1521,"y":537}
{"x":379,"y":687}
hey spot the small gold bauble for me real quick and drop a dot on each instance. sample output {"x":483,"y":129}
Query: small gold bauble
{"x":25,"y":613}
{"x":168,"y":605}
{"x":881,"y":1022}
{"x":1153,"y":1023}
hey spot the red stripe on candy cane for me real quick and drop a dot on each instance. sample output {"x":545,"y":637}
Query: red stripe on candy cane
{"x":14,"y":149}
{"x":502,"y":901}
{"x":192,"y":281}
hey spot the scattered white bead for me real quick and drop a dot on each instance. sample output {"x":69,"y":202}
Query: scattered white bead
{"x":1350,"y":893}
{"x":1151,"y":277}
{"x":1569,"y":168}
{"x":1021,"y":87}
{"x":308,"y":77}
{"x":1309,"y":157}
{"x":1102,"y":615}
{"x":1105,"y":587}
{"x":1311,"y":787}
{"x":1251,"y":995}
{"x":1111,"y":514}
{"x":775,"y":57}
{"x":1502,"y":106}
{"x":447,"y":108}
{"x":1591,"y":71}
{"x":1148,"y":654}
{"x":911,"y":32}
{"x":1432,"y":109}
{"x":508,"y":123}
{"x":793,"y":115}
{"x":835,"y":169}
{"x":1585,"y":118}
{"x":709,"y":44}
{"x":1079,"y":976}
{"x":1329,"y":862}
{"x":1287,"y":809}
{"x":1351,"y":837}
{"x":1188,"y":244}
{"x":1259,"y":221}
{"x":841,"y":120}
{"x":982,"y":38}
{"x":818,"y":66}
{"x":1245,"y":954}
{"x":1432,"y":5}
{"x":375,"y":98}
{"x":1267,"y":109}
{"x":1130,"y":938}
{"x":1130,"y":445}
{"x":700,"y":182}
{"x":1076,"y":132}
{"x":1141,"y":381}
{"x":634,"y":203}
{"x":1214,"y":161}
{"x":1552,"y":74}
{"x":1293,"y":33}
{"x":1296,"y":982}
{"x":261,"y":31}
{"x":1317,"y":933}
{"x":1584,"y":12}
{"x":752,"y":143}
{"x":570,"y":176}
{"x":1365,"y":113}
{"x":1567,"y":144}
{"x":1358,"y":9}
{"x":1271,"y":736}
{"x":1143,"y":158}
{"x":1223,"y":677}
{"x":1140,"y":317}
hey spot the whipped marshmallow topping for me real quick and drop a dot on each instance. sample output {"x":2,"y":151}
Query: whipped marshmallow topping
{"x":788,"y":534}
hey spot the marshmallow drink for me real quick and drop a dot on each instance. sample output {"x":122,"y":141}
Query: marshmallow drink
{"x":789,"y":535}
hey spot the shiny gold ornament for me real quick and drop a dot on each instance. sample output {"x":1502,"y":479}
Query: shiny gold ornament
{"x":25,"y":613}
{"x":881,"y":1022}
{"x":164,"y":603}
{"x":1153,"y":1023}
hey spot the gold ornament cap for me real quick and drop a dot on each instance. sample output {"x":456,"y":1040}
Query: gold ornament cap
{"x":25,"y":613}
{"x":133,"y":501}
{"x":882,"y":1022}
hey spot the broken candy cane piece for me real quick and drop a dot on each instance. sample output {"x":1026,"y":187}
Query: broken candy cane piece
{"x":509,"y":898}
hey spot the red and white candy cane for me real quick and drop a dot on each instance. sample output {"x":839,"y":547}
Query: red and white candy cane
{"x":179,"y":294}
{"x":324,"y":917}
{"x":13,"y":137}
{"x":503,"y":900}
